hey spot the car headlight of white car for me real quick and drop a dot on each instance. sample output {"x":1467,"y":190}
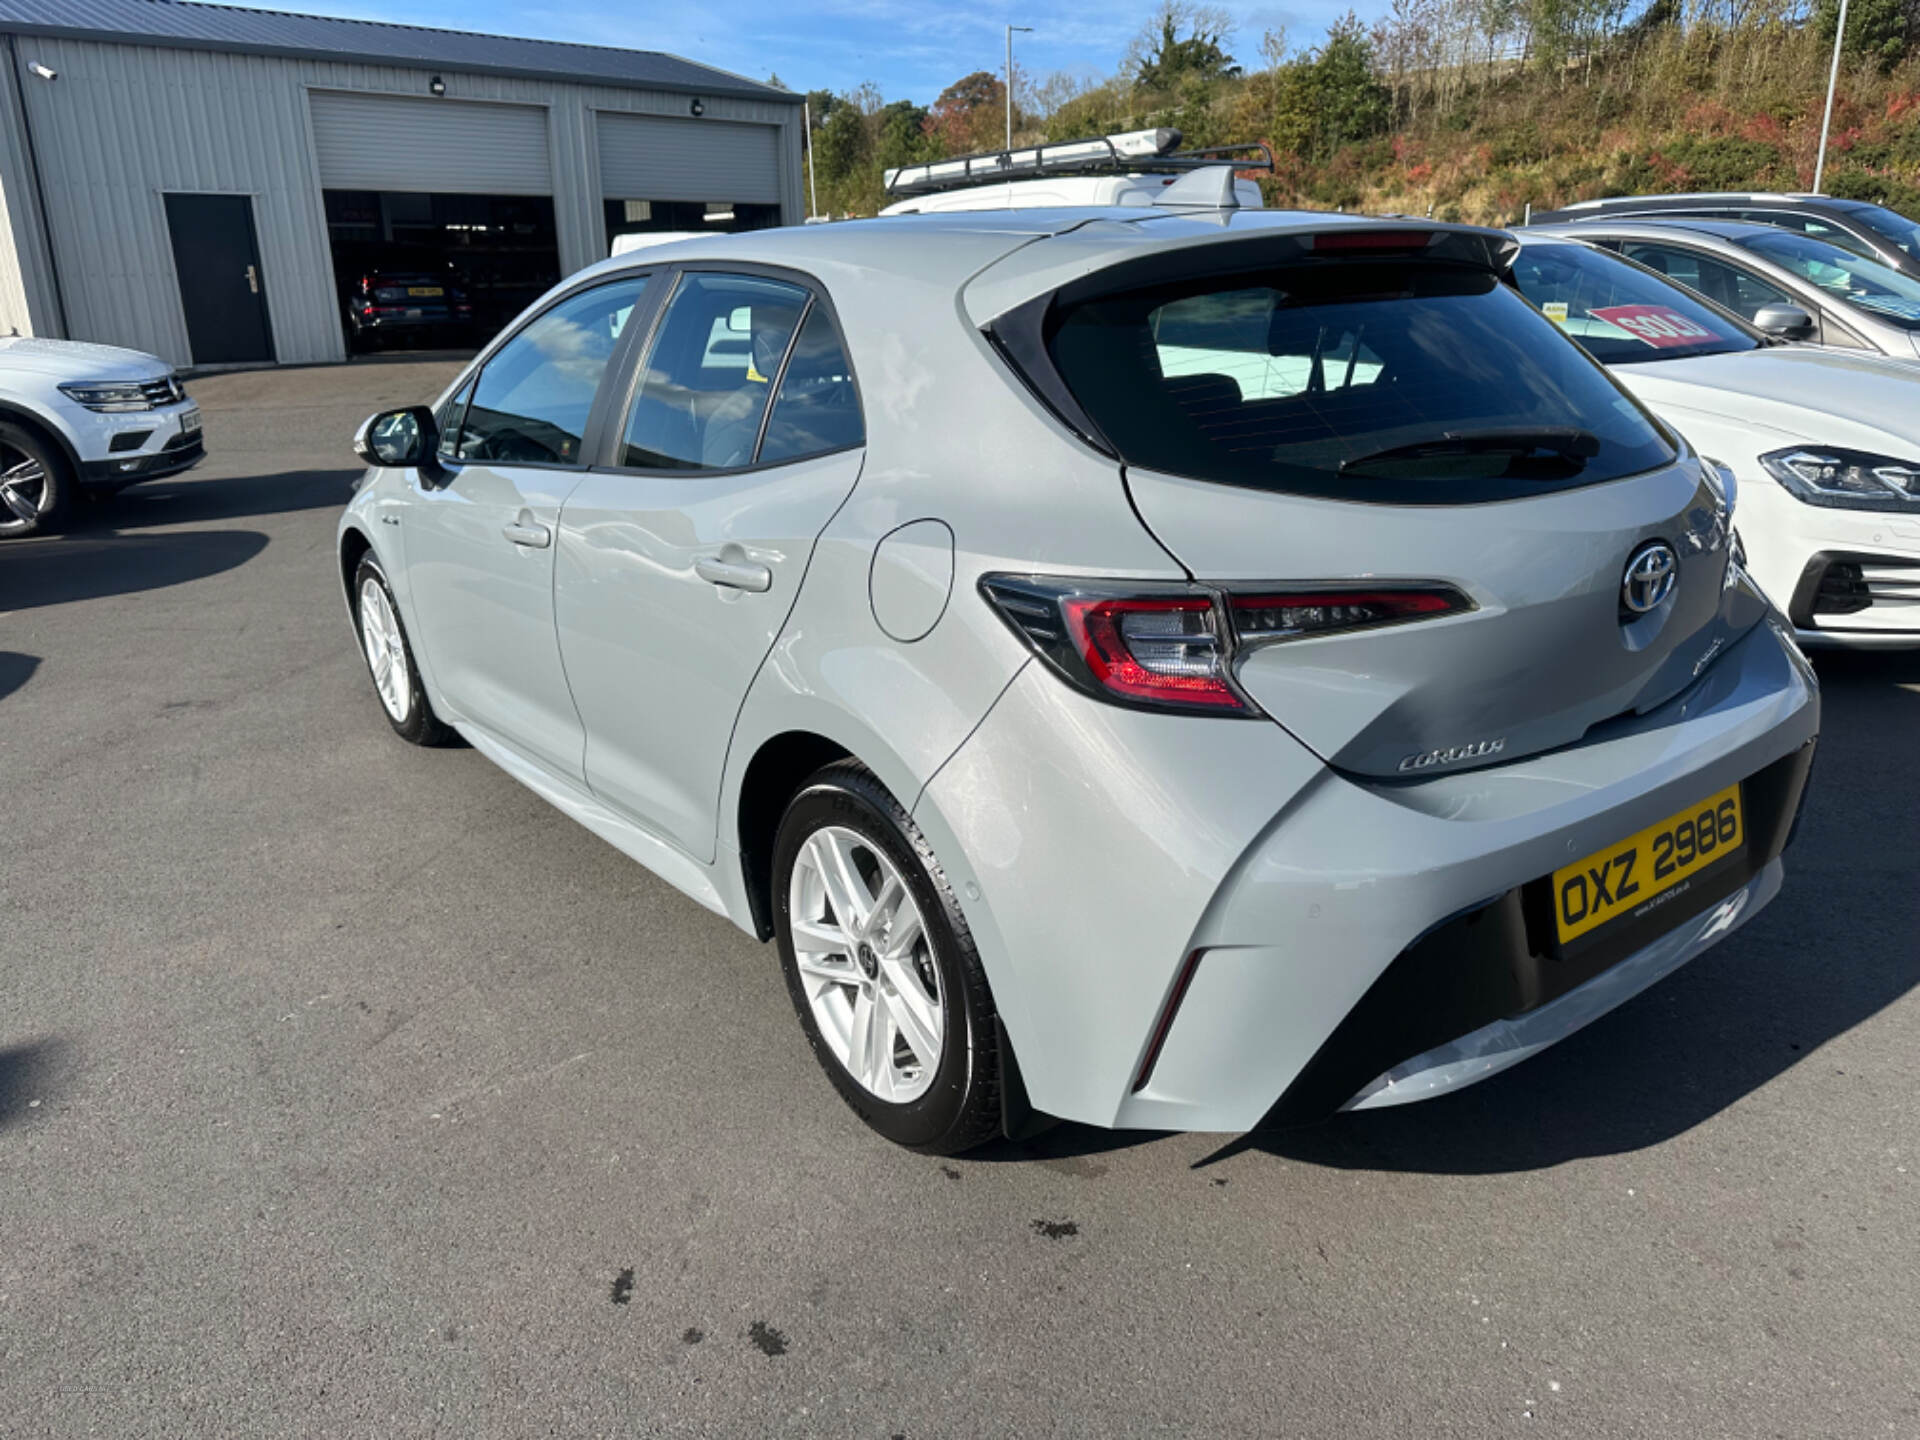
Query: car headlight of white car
{"x":109,"y":395}
{"x":1846,"y":479}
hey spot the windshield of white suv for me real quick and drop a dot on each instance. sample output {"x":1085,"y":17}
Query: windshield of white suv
{"x":1382,"y":381}
{"x":1847,"y":277}
{"x":1890,"y":226}
{"x":1618,"y":312}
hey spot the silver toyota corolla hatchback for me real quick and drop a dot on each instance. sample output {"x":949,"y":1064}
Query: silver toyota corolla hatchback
{"x":1161,"y":667}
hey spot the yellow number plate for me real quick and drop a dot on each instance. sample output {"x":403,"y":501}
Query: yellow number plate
{"x":425,"y":290}
{"x":1633,"y":876}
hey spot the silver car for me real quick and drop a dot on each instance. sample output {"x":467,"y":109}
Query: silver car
{"x":1760,"y":272}
{"x":1155,"y":667}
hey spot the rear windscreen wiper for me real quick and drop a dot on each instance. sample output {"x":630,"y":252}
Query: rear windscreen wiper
{"x":1565,"y":442}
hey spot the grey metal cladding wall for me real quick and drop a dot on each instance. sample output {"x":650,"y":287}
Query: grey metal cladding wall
{"x":650,"y":157}
{"x":126,"y":123}
{"x":398,"y":142}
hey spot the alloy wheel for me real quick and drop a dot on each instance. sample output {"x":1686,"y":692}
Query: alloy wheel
{"x":866,"y":964}
{"x":24,"y":491}
{"x":386,"y":651}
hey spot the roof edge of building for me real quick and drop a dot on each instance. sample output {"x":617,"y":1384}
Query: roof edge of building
{"x":725,"y":83}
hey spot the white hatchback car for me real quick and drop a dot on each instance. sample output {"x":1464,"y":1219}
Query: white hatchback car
{"x":1824,"y":443}
{"x":1160,"y":666}
{"x":75,"y":416}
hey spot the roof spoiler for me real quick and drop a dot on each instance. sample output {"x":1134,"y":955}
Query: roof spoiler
{"x":1136,"y":151}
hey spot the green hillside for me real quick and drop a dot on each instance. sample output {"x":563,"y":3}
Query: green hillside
{"x":1475,"y":108}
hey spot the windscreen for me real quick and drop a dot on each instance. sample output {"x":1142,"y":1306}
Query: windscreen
{"x":1889,"y":225}
{"x":1618,"y":312}
{"x":1867,"y":284}
{"x":1387,"y":382}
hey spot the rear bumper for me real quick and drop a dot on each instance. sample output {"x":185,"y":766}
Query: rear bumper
{"x":1345,"y":927}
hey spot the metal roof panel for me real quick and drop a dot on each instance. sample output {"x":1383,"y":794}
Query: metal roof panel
{"x":184,"y":24}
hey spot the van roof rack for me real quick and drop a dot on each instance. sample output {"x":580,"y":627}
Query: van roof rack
{"x":1155,"y":151}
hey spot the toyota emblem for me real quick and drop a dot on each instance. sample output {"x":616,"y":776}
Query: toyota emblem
{"x":1650,"y":575}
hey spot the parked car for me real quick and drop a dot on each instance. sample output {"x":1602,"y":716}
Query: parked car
{"x":1196,"y":669}
{"x":80,"y":418}
{"x":1755,"y":270}
{"x":409,"y":304}
{"x":1825,"y":444}
{"x":1869,"y":230}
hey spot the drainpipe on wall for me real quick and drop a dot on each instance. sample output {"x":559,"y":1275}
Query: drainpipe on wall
{"x":40,"y":198}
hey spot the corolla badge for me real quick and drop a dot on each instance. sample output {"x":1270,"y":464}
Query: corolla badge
{"x":1454,"y":754}
{"x":1650,"y":575}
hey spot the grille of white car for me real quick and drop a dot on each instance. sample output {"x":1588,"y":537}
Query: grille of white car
{"x":160,"y":392}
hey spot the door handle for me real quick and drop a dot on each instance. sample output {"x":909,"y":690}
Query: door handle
{"x":526,"y":532}
{"x":733,"y":575}
{"x":253,"y":280}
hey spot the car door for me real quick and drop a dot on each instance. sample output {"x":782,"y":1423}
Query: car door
{"x":680,"y":559}
{"x":1731,"y":286}
{"x":479,"y":537}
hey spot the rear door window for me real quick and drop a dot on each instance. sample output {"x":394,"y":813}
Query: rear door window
{"x":1414,"y":384}
{"x":704,"y":386}
{"x":818,"y":408}
{"x":1733,"y":286}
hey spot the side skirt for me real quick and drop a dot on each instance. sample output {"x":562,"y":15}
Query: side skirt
{"x":671,"y":865}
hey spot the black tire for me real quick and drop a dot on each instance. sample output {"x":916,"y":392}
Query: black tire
{"x":961,"y":1108}
{"x":51,"y":496}
{"x":421,"y":726}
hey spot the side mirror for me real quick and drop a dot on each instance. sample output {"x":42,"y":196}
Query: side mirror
{"x":401,"y":439}
{"x":1785,"y":322}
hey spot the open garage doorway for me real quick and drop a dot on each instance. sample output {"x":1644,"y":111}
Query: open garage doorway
{"x":421,"y":271}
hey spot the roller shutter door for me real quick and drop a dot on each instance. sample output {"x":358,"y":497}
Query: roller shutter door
{"x":395,"y":142}
{"x":645,"y":157}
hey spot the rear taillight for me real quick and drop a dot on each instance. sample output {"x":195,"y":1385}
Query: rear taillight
{"x":1157,"y":649}
{"x":1173,"y":647}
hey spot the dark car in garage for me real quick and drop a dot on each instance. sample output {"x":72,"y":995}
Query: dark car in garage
{"x":409,"y":302}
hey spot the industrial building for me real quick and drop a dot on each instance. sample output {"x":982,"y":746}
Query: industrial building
{"x":207,"y":183}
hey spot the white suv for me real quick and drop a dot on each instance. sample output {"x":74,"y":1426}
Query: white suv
{"x":78,"y":417}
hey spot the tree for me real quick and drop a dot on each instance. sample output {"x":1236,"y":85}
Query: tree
{"x":969,"y":114}
{"x":901,"y":137}
{"x":1877,"y":30}
{"x":1331,"y":96}
{"x":841,"y":145}
{"x":1163,"y":59}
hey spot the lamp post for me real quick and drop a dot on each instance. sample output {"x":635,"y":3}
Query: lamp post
{"x":1833,"y":79}
{"x":1028,"y":30}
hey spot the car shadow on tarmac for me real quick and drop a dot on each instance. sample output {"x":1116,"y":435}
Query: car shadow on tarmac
{"x":15,"y":670}
{"x":194,"y":500}
{"x":64,"y":568}
{"x":1840,"y":944}
{"x":29,"y":1074}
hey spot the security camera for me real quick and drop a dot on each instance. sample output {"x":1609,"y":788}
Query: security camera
{"x":45,"y":72}
{"x":697,"y":109}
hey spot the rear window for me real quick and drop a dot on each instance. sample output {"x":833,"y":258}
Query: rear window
{"x":1377,"y":382}
{"x":1618,"y":312}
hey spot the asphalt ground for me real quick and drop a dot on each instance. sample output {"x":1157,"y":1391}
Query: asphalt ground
{"x":346,"y":1089}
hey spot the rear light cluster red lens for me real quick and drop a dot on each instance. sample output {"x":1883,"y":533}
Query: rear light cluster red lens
{"x":1172,"y":647}
{"x":1152,"y":649}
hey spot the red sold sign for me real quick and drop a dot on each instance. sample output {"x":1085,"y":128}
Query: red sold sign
{"x":1658,"y":326}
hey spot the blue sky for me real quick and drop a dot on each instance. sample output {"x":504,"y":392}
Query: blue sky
{"x":910,"y":50}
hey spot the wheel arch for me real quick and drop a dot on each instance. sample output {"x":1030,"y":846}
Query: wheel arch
{"x":779,"y":768}
{"x":355,"y":545}
{"x":18,"y":415}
